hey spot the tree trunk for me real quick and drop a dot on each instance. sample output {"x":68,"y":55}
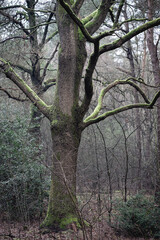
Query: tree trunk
{"x":65,"y":125}
{"x":62,"y":209}
{"x":137,"y":111}
{"x":156,"y":73}
{"x":34,"y":55}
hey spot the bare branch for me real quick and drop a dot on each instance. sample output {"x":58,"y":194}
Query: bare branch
{"x":26,"y":9}
{"x":132,"y":20}
{"x":158,"y":40}
{"x":88,"y":79}
{"x":157,"y":95}
{"x":15,"y":37}
{"x":33,"y":28}
{"x":15,"y":21}
{"x":48,"y":62}
{"x":13,"y":97}
{"x":46,"y":29}
{"x":49,"y":83}
{"x":51,"y":36}
{"x":119,"y":11}
{"x":27,"y":70}
{"x":119,"y":42}
{"x":11,"y":7}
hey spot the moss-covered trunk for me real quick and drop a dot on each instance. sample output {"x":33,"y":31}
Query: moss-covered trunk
{"x":62,"y":203}
{"x":65,"y":124}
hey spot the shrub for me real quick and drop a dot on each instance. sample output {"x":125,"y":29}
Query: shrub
{"x":22,"y":181}
{"x":139,"y":217}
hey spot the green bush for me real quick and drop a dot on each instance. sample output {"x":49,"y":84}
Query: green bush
{"x":139,"y":217}
{"x":22,"y":182}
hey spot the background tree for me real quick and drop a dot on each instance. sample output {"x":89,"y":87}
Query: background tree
{"x":130,"y":57}
{"x":153,"y":51}
{"x":25,"y":39}
{"x":29,"y":28}
{"x":68,"y":110}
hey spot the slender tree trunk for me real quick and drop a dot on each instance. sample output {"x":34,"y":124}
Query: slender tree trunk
{"x":36,"y":115}
{"x":137,"y":111}
{"x":156,"y":73}
{"x":110,"y":190}
{"x":148,"y":129}
{"x":98,"y":185}
{"x":34,"y":56}
{"x":138,"y":132}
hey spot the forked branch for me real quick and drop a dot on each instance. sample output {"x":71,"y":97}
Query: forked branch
{"x":94,"y":117}
{"x":91,"y":23}
{"x":120,"y":41}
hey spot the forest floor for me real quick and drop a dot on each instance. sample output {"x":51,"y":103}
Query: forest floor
{"x":30,"y":231}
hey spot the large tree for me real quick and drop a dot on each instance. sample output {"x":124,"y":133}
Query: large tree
{"x":68,"y":110}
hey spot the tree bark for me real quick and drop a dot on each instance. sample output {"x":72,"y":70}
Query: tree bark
{"x":156,"y":73}
{"x":65,"y":125}
{"x":34,"y":56}
{"x":62,"y":209}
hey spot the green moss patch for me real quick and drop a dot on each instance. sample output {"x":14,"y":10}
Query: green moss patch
{"x":65,"y":222}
